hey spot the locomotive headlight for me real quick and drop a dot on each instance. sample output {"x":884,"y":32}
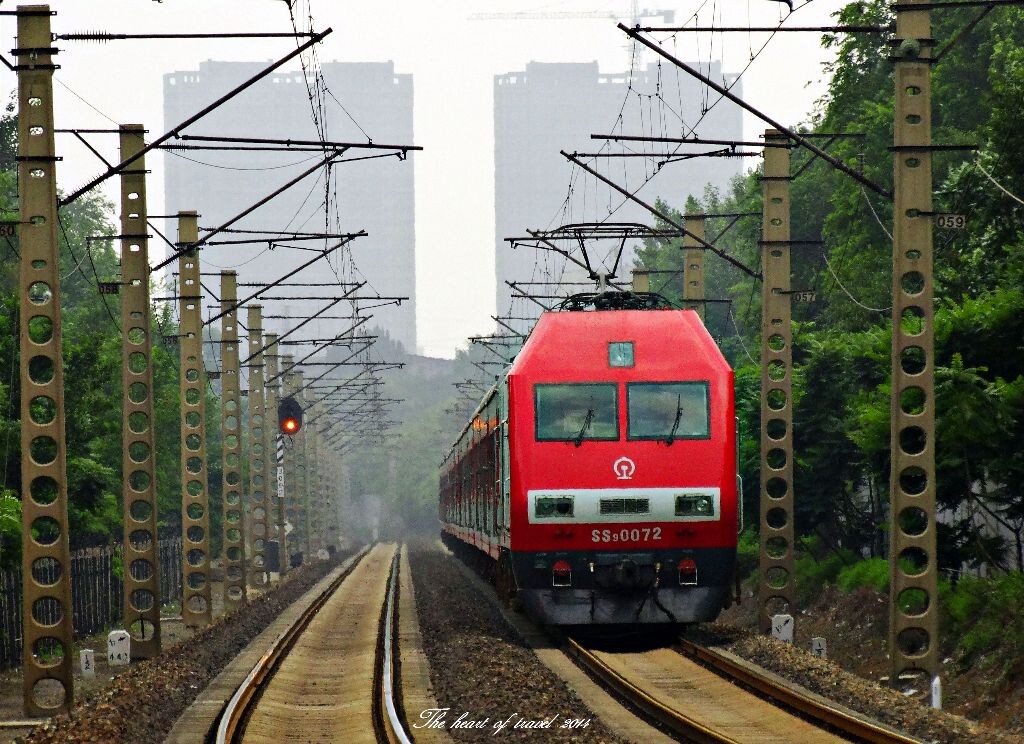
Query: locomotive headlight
{"x":554,"y":506}
{"x":695,"y":505}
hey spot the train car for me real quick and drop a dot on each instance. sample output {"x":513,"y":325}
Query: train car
{"x":598,"y":478}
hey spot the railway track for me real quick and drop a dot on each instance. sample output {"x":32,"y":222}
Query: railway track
{"x":705,"y":696}
{"x":331,"y":675}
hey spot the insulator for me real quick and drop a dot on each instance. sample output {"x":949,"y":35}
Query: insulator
{"x":100,"y":37}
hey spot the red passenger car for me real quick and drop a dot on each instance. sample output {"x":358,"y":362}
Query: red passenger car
{"x":599,"y":476}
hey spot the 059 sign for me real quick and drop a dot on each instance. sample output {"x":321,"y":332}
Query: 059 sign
{"x":950,"y":221}
{"x":626,"y":534}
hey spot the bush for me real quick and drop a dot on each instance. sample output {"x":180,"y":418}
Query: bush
{"x":984,"y":616}
{"x":814,"y":573}
{"x":748,"y":548}
{"x":872,"y":572}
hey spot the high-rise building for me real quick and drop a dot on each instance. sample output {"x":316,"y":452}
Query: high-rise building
{"x":557,"y":106}
{"x":362,"y":101}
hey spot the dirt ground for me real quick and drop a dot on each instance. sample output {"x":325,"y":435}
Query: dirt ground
{"x":173,"y":632}
{"x":855,"y":628}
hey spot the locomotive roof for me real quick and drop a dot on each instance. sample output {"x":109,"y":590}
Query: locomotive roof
{"x":573,"y":344}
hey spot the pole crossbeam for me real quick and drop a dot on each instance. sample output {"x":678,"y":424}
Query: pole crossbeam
{"x":726,"y":93}
{"x":662,"y":216}
{"x":173,"y":132}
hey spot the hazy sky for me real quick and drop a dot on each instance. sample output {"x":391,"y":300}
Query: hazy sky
{"x":453,"y":61}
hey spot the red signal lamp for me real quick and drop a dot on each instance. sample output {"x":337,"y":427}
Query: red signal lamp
{"x":289,"y":416}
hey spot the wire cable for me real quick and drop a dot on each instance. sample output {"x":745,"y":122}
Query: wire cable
{"x":853,"y":299}
{"x":977,"y":162}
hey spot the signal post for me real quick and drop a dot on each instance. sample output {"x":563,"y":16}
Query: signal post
{"x":290,"y":478}
{"x":275,"y":449}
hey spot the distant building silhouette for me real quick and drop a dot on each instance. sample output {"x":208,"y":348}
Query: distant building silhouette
{"x":376,"y":195}
{"x":557,"y":106}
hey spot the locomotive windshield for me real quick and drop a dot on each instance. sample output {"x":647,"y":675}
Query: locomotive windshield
{"x":575,"y":412}
{"x":668,"y":410}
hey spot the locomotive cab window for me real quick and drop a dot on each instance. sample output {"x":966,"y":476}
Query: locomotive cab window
{"x":667,"y":411}
{"x":576,"y":412}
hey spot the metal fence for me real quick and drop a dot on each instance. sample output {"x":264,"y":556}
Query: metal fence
{"x":96,"y":593}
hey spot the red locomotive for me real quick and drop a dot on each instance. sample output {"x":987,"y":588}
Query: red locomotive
{"x":598,"y":478}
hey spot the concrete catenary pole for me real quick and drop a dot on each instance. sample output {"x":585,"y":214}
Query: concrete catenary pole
{"x":48,"y":686}
{"x":315,"y":497}
{"x":776,"y":593}
{"x":259,"y":471}
{"x":231,"y":444}
{"x":141,"y":579}
{"x":641,"y":281}
{"x":913,"y":597}
{"x":195,"y":500}
{"x":693,"y":265}
{"x":302,"y":482}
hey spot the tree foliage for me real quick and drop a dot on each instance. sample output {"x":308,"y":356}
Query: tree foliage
{"x":841,"y":346}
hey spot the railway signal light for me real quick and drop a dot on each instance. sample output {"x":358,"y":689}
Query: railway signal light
{"x":289,"y":416}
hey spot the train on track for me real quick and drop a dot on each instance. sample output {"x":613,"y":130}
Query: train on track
{"x":597,"y":481}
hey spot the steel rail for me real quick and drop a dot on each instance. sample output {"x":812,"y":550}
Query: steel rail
{"x":231,"y":723}
{"x":817,"y":710}
{"x":394,"y":728}
{"x":862,"y":729}
{"x":674,"y":720}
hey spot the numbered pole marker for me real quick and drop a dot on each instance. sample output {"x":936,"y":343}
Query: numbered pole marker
{"x":782,"y":627}
{"x":937,"y":692}
{"x":87,"y":662}
{"x":119,"y":648}
{"x":950,"y":221}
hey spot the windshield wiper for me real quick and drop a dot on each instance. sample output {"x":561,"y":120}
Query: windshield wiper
{"x":586,"y":425}
{"x":675,"y":424}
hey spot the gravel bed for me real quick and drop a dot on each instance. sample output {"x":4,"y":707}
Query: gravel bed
{"x":831,"y":681}
{"x":142,"y":703}
{"x":479,"y":666}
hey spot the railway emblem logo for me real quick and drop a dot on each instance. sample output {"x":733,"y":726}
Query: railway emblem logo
{"x":624,"y":468}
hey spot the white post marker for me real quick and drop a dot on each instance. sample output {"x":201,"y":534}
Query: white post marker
{"x":119,"y":648}
{"x":782,"y":627}
{"x":818,"y":647}
{"x":87,"y":661}
{"x":937,"y":692}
